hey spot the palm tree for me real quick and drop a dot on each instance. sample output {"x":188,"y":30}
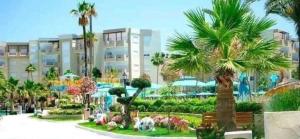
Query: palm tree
{"x":90,"y":35}
{"x":30,"y":89}
{"x":30,"y":69}
{"x":52,"y":74}
{"x":157,"y":60}
{"x":82,"y":12}
{"x":226,"y":40}
{"x":289,"y":9}
{"x":10,"y":89}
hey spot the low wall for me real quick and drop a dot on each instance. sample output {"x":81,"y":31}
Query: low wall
{"x":282,"y":125}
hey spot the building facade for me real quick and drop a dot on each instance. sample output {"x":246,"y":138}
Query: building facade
{"x":124,"y":50}
{"x":289,"y":46}
{"x":129,"y":51}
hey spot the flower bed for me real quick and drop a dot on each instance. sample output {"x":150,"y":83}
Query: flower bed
{"x":159,"y":132}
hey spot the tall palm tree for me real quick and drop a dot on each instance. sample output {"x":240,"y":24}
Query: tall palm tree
{"x":289,"y":9}
{"x":90,"y":35}
{"x":11,"y":91}
{"x":157,"y":60}
{"x":30,"y":89}
{"x":82,"y":12}
{"x":30,"y":69}
{"x":226,"y":40}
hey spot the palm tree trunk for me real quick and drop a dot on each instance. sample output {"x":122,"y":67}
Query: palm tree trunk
{"x":85,"y":50}
{"x":12,"y":108}
{"x":91,"y":46}
{"x":157,"y":74}
{"x":298,"y":33}
{"x":226,"y":114}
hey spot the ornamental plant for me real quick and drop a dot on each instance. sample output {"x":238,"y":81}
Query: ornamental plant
{"x":126,"y":100}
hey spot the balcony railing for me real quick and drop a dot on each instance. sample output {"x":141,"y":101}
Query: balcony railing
{"x":110,"y":58}
{"x":122,"y":57}
{"x":122,"y":43}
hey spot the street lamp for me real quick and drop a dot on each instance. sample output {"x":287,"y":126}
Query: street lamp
{"x":124,"y":76}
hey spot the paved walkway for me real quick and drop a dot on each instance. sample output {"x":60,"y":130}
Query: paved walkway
{"x":23,"y":127}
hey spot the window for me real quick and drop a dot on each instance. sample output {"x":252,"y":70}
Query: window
{"x":124,"y":36}
{"x":106,"y":38}
{"x":119,"y":36}
{"x":1,"y":52}
{"x":12,"y":51}
{"x":1,"y":63}
{"x":112,"y":37}
{"x":23,"y":52}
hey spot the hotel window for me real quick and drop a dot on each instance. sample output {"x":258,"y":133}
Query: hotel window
{"x":119,"y":36}
{"x":23,"y":52}
{"x":112,"y":37}
{"x":12,"y":51}
{"x":1,"y":63}
{"x":106,"y":38}
{"x":1,"y":52}
{"x":124,"y":36}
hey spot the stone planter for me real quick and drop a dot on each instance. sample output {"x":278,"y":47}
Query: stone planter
{"x":282,"y":125}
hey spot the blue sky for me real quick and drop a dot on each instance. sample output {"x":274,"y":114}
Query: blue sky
{"x":23,"y":20}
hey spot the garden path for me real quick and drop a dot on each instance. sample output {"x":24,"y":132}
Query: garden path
{"x":24,"y":127}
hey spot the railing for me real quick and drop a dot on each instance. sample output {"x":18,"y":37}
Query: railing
{"x":122,"y":58}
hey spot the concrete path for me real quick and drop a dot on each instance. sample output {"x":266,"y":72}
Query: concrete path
{"x":23,"y":127}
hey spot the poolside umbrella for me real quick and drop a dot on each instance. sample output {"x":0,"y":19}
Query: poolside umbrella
{"x":101,"y":92}
{"x":213,"y":83}
{"x":154,"y":86}
{"x":188,"y":83}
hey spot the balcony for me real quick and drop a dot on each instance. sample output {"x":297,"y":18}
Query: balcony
{"x":122,"y":43}
{"x":23,"y":54}
{"x":110,"y":58}
{"x":110,"y":44}
{"x":122,"y":57}
{"x":12,"y":53}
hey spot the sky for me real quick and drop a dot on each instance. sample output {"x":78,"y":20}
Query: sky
{"x":23,"y":20}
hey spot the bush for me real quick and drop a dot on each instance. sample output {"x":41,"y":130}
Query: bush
{"x":249,"y":107}
{"x":71,"y":106}
{"x":289,"y":101}
{"x":65,"y":112}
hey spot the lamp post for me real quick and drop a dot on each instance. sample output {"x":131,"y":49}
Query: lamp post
{"x":124,"y":76}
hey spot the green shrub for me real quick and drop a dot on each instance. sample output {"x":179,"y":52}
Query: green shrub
{"x":289,"y":101}
{"x":65,"y":112}
{"x":72,"y":106}
{"x":249,"y":107}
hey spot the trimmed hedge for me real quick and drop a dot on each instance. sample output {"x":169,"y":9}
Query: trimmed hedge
{"x":71,"y":106}
{"x":197,"y":106}
{"x":65,"y":112}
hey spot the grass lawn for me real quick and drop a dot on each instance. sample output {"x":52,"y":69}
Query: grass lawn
{"x":160,"y":132}
{"x":59,"y":118}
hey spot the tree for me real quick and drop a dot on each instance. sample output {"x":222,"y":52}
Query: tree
{"x":30,"y":89}
{"x":169,"y":74}
{"x":30,"y":69}
{"x":289,"y":9}
{"x":111,"y":74}
{"x":90,"y":35}
{"x":145,"y":76}
{"x":96,"y":73}
{"x":127,"y":101}
{"x":10,"y":90}
{"x":226,"y":40}
{"x":157,"y":60}
{"x":82,"y":12}
{"x":52,"y":74}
